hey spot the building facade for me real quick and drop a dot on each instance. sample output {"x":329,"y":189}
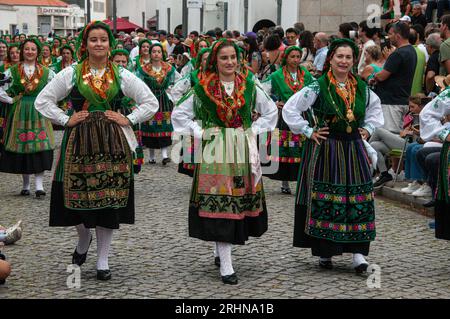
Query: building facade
{"x":34,"y":17}
{"x":244,"y":15}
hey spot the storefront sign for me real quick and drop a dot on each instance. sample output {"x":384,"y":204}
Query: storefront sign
{"x":53,"y":12}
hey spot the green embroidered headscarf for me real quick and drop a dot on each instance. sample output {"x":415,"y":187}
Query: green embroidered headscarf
{"x":288,"y":51}
{"x":215,"y":48}
{"x":82,"y":52}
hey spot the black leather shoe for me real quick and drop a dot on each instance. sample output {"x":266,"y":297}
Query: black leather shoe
{"x":40,"y":194}
{"x":361,"y":268}
{"x":217,"y":261}
{"x":430,"y":204}
{"x":230,"y":280}
{"x":80,"y":259}
{"x":326,"y":264}
{"x":103,"y":275}
{"x":152,"y":162}
{"x":165,"y":161}
{"x":25,"y":192}
{"x":286,"y":191}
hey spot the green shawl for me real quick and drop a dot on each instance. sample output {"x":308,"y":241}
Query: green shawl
{"x":325,"y":110}
{"x":206,"y":110}
{"x":97,"y":103}
{"x":281,"y":89}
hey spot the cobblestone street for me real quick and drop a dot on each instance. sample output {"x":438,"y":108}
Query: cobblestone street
{"x":155,"y":258}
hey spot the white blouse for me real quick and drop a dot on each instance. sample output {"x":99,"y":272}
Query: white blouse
{"x":306,"y":97}
{"x":63,"y":83}
{"x":183,"y":116}
{"x":431,"y":115}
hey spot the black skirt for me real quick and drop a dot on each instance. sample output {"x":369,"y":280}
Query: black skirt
{"x":156,"y":142}
{"x":235,"y":232}
{"x":106,"y":218}
{"x":15,"y":163}
{"x":442,"y":216}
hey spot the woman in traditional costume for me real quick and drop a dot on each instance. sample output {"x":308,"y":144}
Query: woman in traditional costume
{"x":28,"y":141}
{"x":93,"y":185}
{"x":334,"y":212}
{"x":182,"y":87}
{"x":46,"y":58}
{"x":281,"y":85}
{"x":55,"y":47}
{"x":227,"y":203}
{"x":67,"y":59}
{"x":160,"y":77}
{"x":431,"y":127}
{"x":3,"y":51}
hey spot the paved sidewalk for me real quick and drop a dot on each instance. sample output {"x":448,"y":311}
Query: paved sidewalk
{"x":155,"y":258}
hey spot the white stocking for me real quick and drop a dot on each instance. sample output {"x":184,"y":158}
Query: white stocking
{"x":104,"y":238}
{"x":164,"y":152}
{"x":39,"y":181}
{"x":226,"y":266}
{"x":151,"y":153}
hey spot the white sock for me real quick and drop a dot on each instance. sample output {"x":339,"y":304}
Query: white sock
{"x":39,"y":181}
{"x":104,"y":238}
{"x":358,"y":259}
{"x":84,"y":238}
{"x":216,"y":250}
{"x":164,"y":152}
{"x":226,"y":266}
{"x":151,"y":153}
{"x":25,"y":182}
{"x":285,"y":184}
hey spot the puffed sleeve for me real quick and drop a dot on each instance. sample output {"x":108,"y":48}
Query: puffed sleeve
{"x":268,"y":113}
{"x":298,"y":103}
{"x":183,"y":119}
{"x":374,"y":114}
{"x":4,"y":97}
{"x":431,"y":115}
{"x":146,"y":103}
{"x":56,"y":90}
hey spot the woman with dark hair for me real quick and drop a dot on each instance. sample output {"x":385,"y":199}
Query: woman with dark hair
{"x":66,"y":59}
{"x":46,"y":58}
{"x":344,"y":30}
{"x":271,"y":56}
{"x":334,"y":211}
{"x":93,"y":185}
{"x":12,"y":57}
{"x":227,"y":203}
{"x":160,"y":77}
{"x":253,"y":54}
{"x":307,"y":45}
{"x":28,"y":142}
{"x":281,"y":85}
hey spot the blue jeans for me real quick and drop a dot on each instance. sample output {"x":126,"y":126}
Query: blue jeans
{"x":413,"y":171}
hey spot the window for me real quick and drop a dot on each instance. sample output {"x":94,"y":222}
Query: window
{"x":99,"y":6}
{"x":58,"y":22}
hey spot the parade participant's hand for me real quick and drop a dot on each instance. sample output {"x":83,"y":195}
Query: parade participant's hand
{"x":117,"y":118}
{"x":364,"y":133}
{"x":406,"y":132}
{"x":321,"y":134}
{"x":448,"y":138}
{"x":77,"y":118}
{"x":17,"y":98}
{"x":280,"y":105}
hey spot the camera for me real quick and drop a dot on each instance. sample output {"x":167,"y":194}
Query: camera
{"x":4,"y":80}
{"x":385,"y":42}
{"x":353,"y":34}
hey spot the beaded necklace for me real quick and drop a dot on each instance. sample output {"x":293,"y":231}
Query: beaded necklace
{"x":347,"y":92}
